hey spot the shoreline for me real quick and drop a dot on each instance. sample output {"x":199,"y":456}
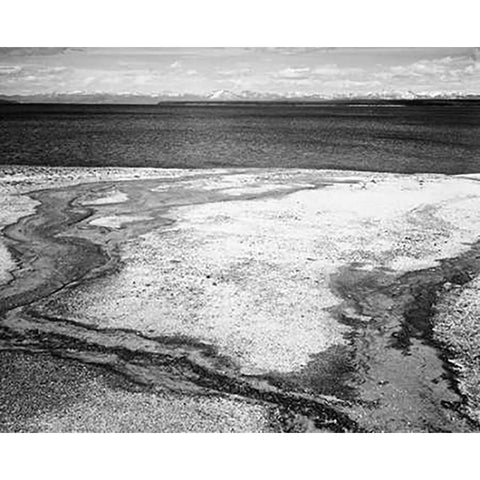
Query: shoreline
{"x":358,"y":289}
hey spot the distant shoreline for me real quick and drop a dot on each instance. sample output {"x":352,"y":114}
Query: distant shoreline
{"x":245,"y":103}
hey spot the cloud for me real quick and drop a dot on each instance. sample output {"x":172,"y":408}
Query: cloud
{"x":289,"y":51}
{"x":317,"y":73}
{"x":293,"y":73}
{"x":236,"y":71}
{"x":10,"y":69}
{"x":32,"y":51}
{"x":279,"y":70}
{"x":51,"y":70}
{"x":332,"y":69}
{"x":28,"y":72}
{"x":445,"y":69}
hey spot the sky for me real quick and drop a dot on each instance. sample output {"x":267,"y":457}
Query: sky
{"x":284,"y":71}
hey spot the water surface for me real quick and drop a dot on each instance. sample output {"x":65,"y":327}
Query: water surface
{"x":394,"y":138}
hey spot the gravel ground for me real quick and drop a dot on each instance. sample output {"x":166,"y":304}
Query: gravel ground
{"x":44,"y":394}
{"x":242,"y":261}
{"x":457,"y":326}
{"x":252,"y":276}
{"x":16,"y":181}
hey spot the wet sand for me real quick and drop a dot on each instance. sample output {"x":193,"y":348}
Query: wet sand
{"x":306,"y":298}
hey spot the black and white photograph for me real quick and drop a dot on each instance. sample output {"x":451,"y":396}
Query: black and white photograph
{"x":239,"y":239}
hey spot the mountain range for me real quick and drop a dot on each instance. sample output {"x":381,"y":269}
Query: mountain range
{"x":220,"y":96}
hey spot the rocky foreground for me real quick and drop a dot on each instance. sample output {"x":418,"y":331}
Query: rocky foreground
{"x":238,"y":300}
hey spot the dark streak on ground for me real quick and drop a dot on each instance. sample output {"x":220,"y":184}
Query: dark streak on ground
{"x":49,"y":262}
{"x":386,"y":311}
{"x":401,"y":309}
{"x":177,"y":367}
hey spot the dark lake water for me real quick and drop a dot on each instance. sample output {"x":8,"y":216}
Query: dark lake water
{"x":410,"y":138}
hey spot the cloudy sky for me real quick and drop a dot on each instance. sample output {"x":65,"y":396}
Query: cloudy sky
{"x":325,"y":71}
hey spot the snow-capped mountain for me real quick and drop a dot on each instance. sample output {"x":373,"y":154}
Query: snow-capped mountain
{"x":137,"y":98}
{"x":223,"y":95}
